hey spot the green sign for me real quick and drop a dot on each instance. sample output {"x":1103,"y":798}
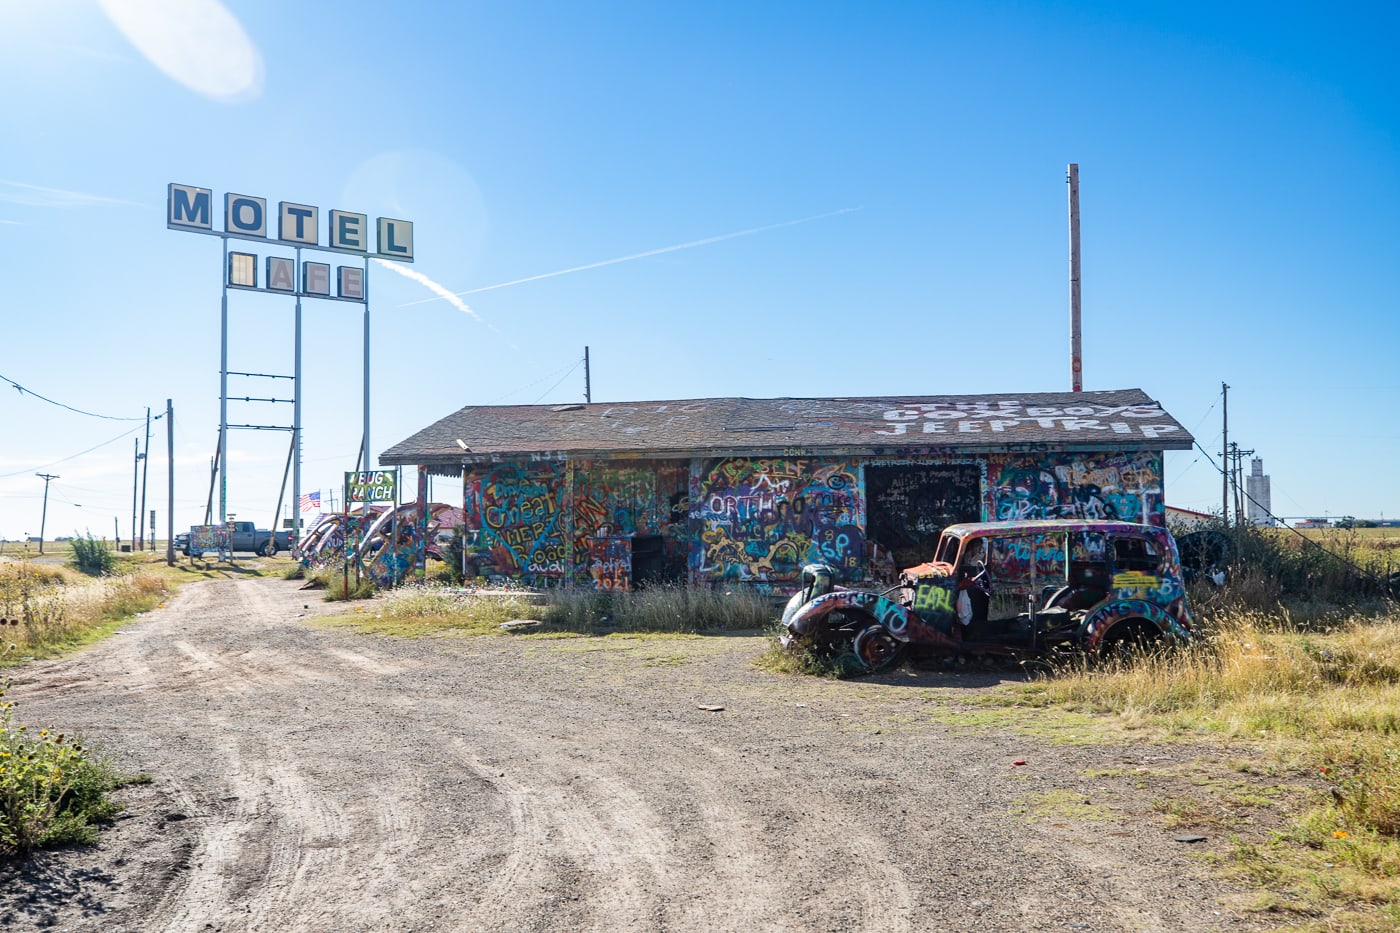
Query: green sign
{"x":369,"y":486}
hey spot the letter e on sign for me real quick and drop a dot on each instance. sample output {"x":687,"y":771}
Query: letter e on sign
{"x":245,"y":215}
{"x":349,"y":231}
{"x":316,"y":278}
{"x":188,"y":207}
{"x":396,"y":239}
{"x":351,"y":282}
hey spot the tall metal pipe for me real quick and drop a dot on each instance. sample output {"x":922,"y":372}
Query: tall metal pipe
{"x":1076,"y":366}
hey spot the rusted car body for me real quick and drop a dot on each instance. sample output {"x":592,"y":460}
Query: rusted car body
{"x":1012,"y":590}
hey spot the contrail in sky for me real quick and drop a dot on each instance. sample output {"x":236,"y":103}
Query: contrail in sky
{"x":19,"y":192}
{"x":439,"y":290}
{"x":651,"y":252}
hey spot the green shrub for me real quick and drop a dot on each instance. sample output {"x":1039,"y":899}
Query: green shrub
{"x":92,"y":556}
{"x":1269,"y":567}
{"x":51,"y":789}
{"x":335,"y":582}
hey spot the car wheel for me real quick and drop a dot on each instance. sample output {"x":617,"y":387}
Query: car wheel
{"x":876,"y":648}
{"x":1130,"y":641}
{"x":269,"y":549}
{"x":834,"y":635}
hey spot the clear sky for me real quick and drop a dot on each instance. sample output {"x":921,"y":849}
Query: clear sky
{"x":875,"y":193}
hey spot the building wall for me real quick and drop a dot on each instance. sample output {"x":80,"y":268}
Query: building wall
{"x":537,"y":522}
{"x":760,"y":520}
{"x":756,"y":521}
{"x":1109,"y":485}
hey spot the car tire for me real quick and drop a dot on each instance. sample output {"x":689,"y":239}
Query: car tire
{"x":876,"y":649}
{"x":1130,"y":641}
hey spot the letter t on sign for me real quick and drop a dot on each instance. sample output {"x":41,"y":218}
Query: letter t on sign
{"x":297,"y":223}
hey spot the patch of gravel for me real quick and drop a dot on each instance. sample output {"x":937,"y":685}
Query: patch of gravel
{"x":309,"y":778}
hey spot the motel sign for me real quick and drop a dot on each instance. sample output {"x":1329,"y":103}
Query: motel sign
{"x":191,"y":209}
{"x":296,"y":226}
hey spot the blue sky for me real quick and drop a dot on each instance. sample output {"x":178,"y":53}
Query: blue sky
{"x":1240,"y":191}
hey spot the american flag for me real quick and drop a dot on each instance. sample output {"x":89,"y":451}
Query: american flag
{"x":310,"y":501}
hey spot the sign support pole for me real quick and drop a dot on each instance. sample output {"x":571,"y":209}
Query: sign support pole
{"x":295,"y":536}
{"x":369,"y":460}
{"x":223,"y":391}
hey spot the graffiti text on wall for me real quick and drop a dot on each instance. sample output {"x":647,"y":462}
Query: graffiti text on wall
{"x":763,"y":519}
{"x":1118,"y":486}
{"x":610,"y":563}
{"x":515,"y":514}
{"x":1000,"y":417}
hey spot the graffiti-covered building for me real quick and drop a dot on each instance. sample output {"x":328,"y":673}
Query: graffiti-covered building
{"x":727,"y":490}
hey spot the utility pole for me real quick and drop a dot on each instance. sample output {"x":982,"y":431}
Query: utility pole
{"x":1224,"y":453}
{"x":587,"y":380}
{"x":135,"y":485}
{"x":44,"y":516}
{"x":169,"y":484}
{"x":145,"y":466}
{"x":1076,"y":357}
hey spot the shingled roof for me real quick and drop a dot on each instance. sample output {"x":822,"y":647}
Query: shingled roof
{"x":904,"y":425}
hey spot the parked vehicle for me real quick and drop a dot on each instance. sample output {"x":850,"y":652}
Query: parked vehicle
{"x":1011,"y":590}
{"x":182,"y":543}
{"x":247,"y":537}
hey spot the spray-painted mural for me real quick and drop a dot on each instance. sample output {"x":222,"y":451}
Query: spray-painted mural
{"x":643,"y":499}
{"x":515,"y":520}
{"x":610,"y":563}
{"x":1122,"y":486}
{"x":758,"y":520}
{"x":761,"y":520}
{"x":385,"y":541}
{"x":325,"y":543}
{"x":391,"y":546}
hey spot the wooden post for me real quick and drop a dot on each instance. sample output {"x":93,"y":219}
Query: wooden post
{"x":1225,"y":452}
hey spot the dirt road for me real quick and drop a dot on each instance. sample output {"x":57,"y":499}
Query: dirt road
{"x":307,"y":778}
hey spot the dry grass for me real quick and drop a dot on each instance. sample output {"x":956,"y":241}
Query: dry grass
{"x":1325,"y":703}
{"x":47,"y":609}
{"x":423,"y":609}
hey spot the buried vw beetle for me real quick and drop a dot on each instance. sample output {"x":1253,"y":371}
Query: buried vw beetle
{"x":1015,"y":591}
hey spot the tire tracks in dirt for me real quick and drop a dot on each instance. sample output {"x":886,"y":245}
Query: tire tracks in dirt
{"x":320,"y":780}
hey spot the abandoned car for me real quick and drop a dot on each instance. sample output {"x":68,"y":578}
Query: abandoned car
{"x":1014,"y":591}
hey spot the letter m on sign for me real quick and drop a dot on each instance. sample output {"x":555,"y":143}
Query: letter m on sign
{"x":188,"y":208}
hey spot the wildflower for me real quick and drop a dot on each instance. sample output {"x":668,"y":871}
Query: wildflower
{"x":1339,"y":834}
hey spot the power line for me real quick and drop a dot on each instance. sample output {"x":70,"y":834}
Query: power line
{"x":560,"y":382}
{"x":1362,"y":571}
{"x":78,"y":454}
{"x":23,"y":391}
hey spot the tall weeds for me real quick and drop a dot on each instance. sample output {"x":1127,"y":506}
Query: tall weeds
{"x":1267,"y":567}
{"x":1332,"y":697}
{"x":654,"y":609}
{"x":45,"y":608}
{"x":657,"y":609}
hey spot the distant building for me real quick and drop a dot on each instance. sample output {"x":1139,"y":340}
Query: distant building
{"x":1181,"y":521}
{"x":1260,"y":505}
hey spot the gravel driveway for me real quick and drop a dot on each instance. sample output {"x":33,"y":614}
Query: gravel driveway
{"x":307,"y":778}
